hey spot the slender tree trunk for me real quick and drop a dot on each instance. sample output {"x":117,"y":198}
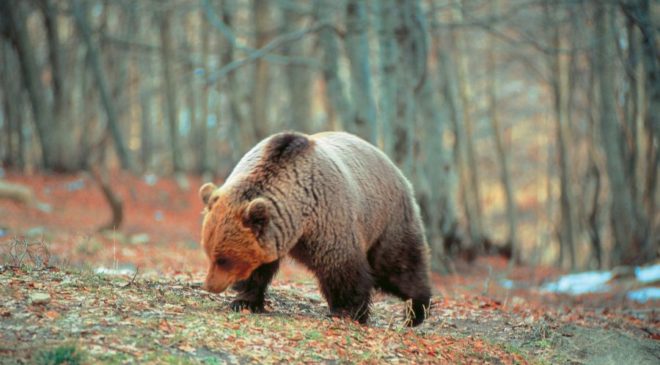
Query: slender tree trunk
{"x":357,"y":49}
{"x":625,"y":220}
{"x":642,"y":15}
{"x":243,"y":129}
{"x":502,"y":156}
{"x":389,"y":54}
{"x":203,"y":153}
{"x":12,"y":97}
{"x":437,"y":163}
{"x":298,"y":77}
{"x":80,"y":16}
{"x":61,"y":125}
{"x":14,"y":14}
{"x":594,"y":173}
{"x":334,"y":86}
{"x":169,"y":88}
{"x":461,"y":100}
{"x":261,"y":88}
{"x":560,"y":86}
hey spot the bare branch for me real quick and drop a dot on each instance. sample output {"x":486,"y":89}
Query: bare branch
{"x":263,"y":52}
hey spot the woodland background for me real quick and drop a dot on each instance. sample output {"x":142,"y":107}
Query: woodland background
{"x":528,"y":127}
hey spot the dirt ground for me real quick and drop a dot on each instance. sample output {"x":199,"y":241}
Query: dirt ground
{"x":57,"y":306}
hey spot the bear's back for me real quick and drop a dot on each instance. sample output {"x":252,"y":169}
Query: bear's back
{"x":375,"y":188}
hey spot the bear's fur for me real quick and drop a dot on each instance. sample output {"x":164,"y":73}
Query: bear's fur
{"x":331,"y":201}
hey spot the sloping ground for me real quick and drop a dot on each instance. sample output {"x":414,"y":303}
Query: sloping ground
{"x":161,"y":315}
{"x":101,"y":319}
{"x":116,"y":320}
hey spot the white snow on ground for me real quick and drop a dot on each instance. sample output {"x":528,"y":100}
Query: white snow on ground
{"x":581,"y":283}
{"x":106,"y":271}
{"x":643,"y":295}
{"x":648,"y":274}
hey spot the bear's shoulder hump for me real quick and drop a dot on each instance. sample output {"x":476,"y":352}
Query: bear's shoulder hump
{"x":284,"y":146}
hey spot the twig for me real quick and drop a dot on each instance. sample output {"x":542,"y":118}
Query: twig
{"x":135,"y":274}
{"x":262,"y":52}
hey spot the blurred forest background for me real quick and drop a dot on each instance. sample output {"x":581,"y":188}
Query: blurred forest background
{"x":528,"y":127}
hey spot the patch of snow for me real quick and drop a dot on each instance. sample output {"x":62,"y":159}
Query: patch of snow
{"x":506,"y":283}
{"x":151,"y":179}
{"x":648,"y":274}
{"x":581,"y":283}
{"x":643,"y":295}
{"x":75,"y":185}
{"x":107,"y":271}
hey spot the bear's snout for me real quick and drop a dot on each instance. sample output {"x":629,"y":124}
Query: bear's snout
{"x":217,"y":281}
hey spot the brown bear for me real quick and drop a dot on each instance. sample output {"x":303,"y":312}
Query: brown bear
{"x":332,"y":202}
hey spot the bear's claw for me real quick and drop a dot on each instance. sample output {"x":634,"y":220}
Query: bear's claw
{"x":238,"y":305}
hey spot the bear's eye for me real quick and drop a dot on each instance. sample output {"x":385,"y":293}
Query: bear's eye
{"x":222,"y":262}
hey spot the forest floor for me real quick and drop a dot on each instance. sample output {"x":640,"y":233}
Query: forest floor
{"x":73,"y":295}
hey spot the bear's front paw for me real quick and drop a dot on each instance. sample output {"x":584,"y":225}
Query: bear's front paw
{"x":239,"y":304}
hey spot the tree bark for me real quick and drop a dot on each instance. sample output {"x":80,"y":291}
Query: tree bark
{"x":12,"y":97}
{"x":334,"y":86}
{"x":204,"y":166}
{"x":502,"y":156}
{"x":389,"y":54}
{"x":560,"y":85}
{"x":169,"y":89}
{"x":261,"y":86}
{"x":298,"y":77}
{"x":461,"y":100}
{"x":363,"y":122}
{"x":80,"y":17}
{"x":14,"y":13}
{"x":629,"y":241}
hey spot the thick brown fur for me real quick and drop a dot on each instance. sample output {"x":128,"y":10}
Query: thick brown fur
{"x":331,"y":201}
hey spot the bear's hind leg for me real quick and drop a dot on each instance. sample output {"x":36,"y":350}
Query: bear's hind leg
{"x":251,"y":292}
{"x":401,"y":269}
{"x":347,"y":288}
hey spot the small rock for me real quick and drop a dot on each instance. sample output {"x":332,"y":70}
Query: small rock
{"x":39,"y":298}
{"x":518,"y":301}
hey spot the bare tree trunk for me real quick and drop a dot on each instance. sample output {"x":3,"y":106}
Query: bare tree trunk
{"x":639,"y":12}
{"x":330,"y":47}
{"x":502,"y":156}
{"x":242,"y":128}
{"x":169,"y":88}
{"x":61,"y":126}
{"x":357,"y":49}
{"x":12,"y":94}
{"x":461,"y":94}
{"x":389,"y":54}
{"x":438,"y":170}
{"x":80,"y":16}
{"x":560,"y":86}
{"x":114,"y":201}
{"x":261,"y":87}
{"x":298,"y":76}
{"x":203,"y":153}
{"x":14,"y":14}
{"x":629,"y":241}
{"x":594,"y":173}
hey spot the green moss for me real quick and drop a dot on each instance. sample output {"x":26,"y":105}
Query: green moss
{"x":64,"y":354}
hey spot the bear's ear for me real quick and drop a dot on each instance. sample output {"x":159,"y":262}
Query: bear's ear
{"x":205,"y":192}
{"x":256,"y":216}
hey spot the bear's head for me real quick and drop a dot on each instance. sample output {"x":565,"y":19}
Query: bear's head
{"x":234,"y":237}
